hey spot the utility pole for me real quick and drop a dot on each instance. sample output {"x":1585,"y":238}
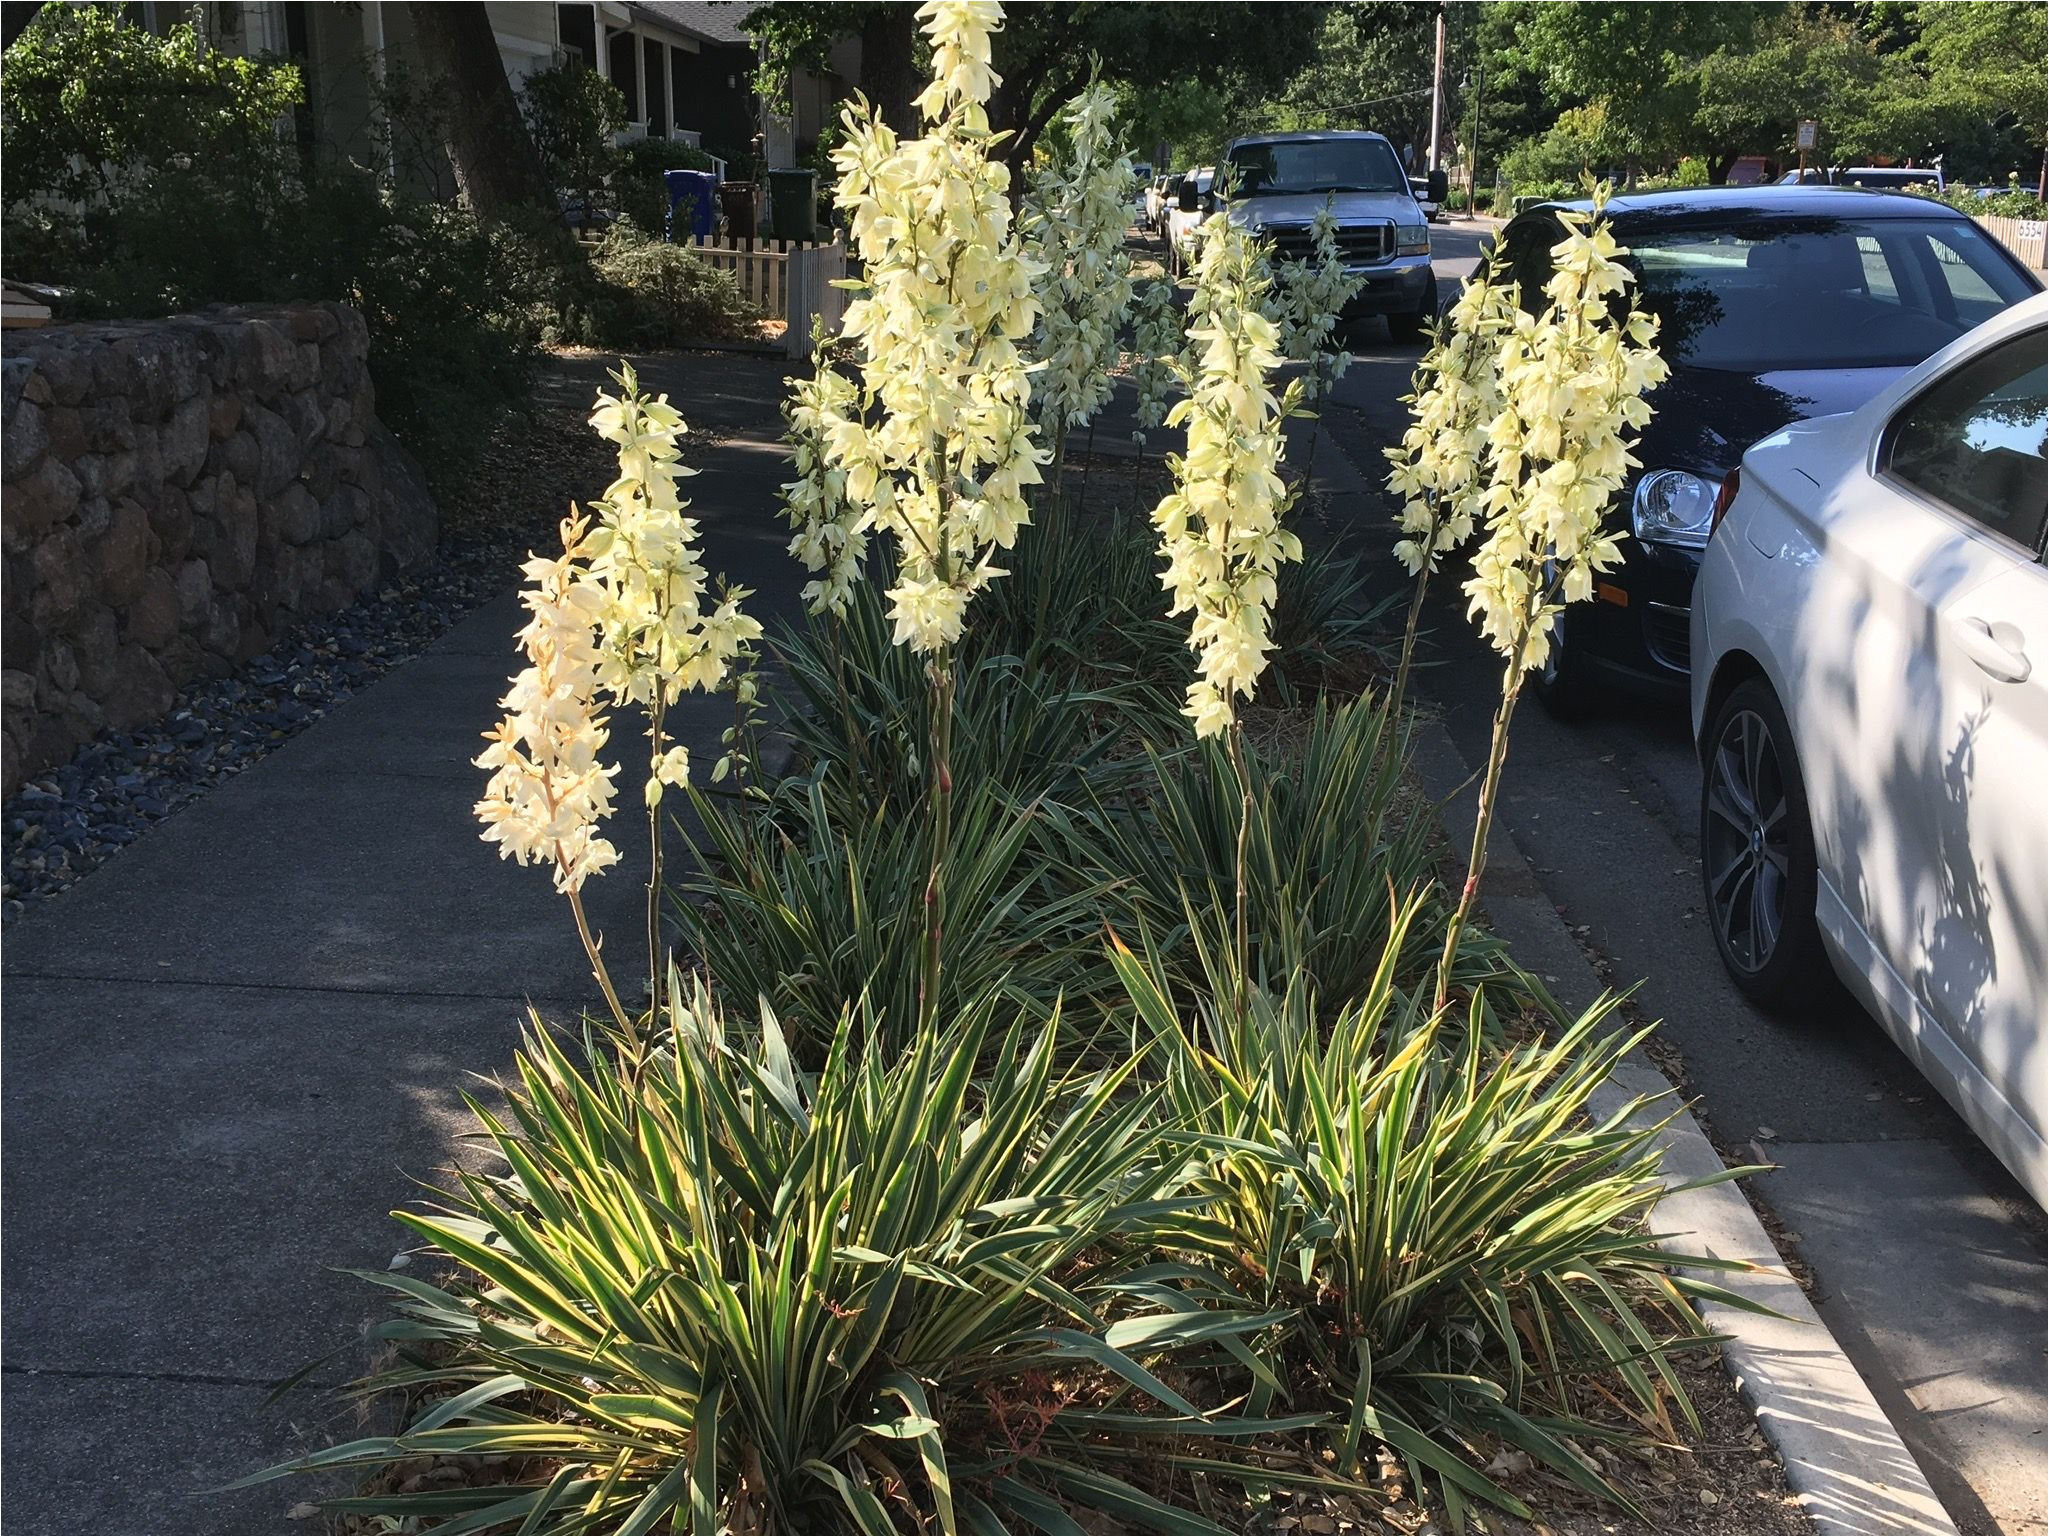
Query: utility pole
{"x":1437,"y":91}
{"x":1473,"y":165}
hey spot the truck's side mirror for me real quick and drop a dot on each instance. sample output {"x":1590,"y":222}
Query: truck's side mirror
{"x":1440,"y":187}
{"x":1189,"y":199}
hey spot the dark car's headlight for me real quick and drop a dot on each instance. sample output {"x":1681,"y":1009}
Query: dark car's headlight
{"x":1673,"y":507}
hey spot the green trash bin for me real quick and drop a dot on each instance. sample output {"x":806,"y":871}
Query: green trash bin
{"x":793,"y":204}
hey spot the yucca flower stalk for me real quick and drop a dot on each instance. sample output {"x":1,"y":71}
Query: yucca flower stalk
{"x":940,"y":448}
{"x":828,"y":534}
{"x":1572,"y":378}
{"x":1220,"y":527}
{"x":1455,"y":397}
{"x":1312,"y":296}
{"x":621,"y":616}
{"x":1074,"y":214}
{"x":1158,"y":338}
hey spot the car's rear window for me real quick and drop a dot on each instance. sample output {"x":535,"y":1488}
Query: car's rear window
{"x":1835,"y":293}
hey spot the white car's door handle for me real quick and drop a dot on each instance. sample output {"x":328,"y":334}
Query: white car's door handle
{"x":1996,"y":648}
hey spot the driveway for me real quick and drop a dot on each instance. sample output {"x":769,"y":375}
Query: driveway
{"x":1927,"y":1259}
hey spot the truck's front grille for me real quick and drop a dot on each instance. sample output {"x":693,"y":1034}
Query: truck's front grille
{"x":1361,"y":245}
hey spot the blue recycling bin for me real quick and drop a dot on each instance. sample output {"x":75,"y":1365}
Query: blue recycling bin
{"x":700,"y":190}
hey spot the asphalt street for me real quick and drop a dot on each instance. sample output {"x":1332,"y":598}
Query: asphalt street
{"x":1926,"y":1257}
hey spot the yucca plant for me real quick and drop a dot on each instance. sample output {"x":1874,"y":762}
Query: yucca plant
{"x":1330,"y":853}
{"x":721,"y":1295}
{"x":1091,"y":608}
{"x":1460,"y":1242}
{"x":1327,"y":623}
{"x":860,"y":718}
{"x":823,"y":913}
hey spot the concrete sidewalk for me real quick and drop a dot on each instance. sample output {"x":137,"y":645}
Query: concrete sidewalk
{"x":231,"y":1050}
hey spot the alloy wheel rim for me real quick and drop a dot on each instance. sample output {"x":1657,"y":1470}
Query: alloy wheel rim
{"x":1746,"y":841}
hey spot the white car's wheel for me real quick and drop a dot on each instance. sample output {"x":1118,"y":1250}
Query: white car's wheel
{"x":1757,"y":851}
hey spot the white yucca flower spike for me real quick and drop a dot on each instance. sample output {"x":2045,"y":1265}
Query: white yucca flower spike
{"x":549,"y":787}
{"x":1572,"y":380}
{"x":1456,"y":396}
{"x":1311,"y":295}
{"x":1159,"y":338}
{"x":1220,"y":527}
{"x":829,"y":537}
{"x":939,"y":448}
{"x":1075,"y":213}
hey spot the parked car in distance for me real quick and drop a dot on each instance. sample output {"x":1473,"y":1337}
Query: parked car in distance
{"x":1890,"y":178}
{"x":1775,"y":304}
{"x":1184,"y":216}
{"x":1159,"y":194}
{"x":1141,"y":182}
{"x":1870,"y":698}
{"x":1284,"y":179}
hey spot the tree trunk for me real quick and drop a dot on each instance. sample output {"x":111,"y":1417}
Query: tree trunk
{"x":496,"y":165}
{"x":888,"y":72}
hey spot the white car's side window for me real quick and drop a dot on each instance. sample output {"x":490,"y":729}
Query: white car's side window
{"x":1977,"y":441}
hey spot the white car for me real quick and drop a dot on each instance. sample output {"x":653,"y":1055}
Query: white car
{"x":1870,"y":693}
{"x":1181,"y":224}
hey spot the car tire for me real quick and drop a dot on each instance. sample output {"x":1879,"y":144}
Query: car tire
{"x":1564,"y":687}
{"x":1759,"y":871}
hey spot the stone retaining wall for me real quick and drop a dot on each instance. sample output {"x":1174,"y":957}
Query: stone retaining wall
{"x":175,"y":494}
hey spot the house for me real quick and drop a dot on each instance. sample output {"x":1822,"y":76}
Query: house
{"x":686,"y":67}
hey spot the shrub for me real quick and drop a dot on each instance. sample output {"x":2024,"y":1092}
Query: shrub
{"x":1333,"y":852}
{"x":727,"y":1296}
{"x":861,"y":721}
{"x":820,"y":912}
{"x":448,"y":302}
{"x":1692,"y":172}
{"x":2015,"y":202}
{"x":1458,"y":1242}
{"x":573,"y":114}
{"x":638,"y":190}
{"x":91,"y":104}
{"x":650,"y":293}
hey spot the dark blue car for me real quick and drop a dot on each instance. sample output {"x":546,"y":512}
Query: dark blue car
{"x":1776,"y":304}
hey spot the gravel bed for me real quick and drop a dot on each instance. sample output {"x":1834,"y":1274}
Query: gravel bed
{"x":68,"y":820}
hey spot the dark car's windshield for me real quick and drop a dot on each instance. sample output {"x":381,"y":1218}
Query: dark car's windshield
{"x":1820,"y":293}
{"x":1317,"y":165}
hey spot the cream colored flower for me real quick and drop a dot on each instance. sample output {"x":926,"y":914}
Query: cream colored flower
{"x":621,"y":613}
{"x":549,"y":789}
{"x":1455,"y":403}
{"x":1159,"y":339}
{"x":1220,"y":527}
{"x":1572,"y":380}
{"x":1075,"y":214}
{"x":937,"y":445}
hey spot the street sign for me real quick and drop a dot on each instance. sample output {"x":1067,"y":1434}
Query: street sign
{"x":1810,"y":133}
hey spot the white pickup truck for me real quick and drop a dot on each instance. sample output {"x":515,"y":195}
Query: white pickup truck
{"x":1284,"y":179}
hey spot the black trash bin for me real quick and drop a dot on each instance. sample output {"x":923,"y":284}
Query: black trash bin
{"x":739,"y":201}
{"x":793,"y":204}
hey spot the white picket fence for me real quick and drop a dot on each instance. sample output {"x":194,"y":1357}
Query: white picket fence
{"x":788,"y":280}
{"x":2023,"y":237}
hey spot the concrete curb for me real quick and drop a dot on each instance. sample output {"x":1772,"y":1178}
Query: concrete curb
{"x":1843,"y":1458}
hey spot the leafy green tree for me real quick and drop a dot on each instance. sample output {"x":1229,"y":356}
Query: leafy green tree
{"x":1635,"y":60}
{"x":1044,"y":52}
{"x":88,"y":103}
{"x":1803,"y":62}
{"x":573,"y":114}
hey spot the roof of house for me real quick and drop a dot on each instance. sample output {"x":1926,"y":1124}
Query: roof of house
{"x":714,"y":21}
